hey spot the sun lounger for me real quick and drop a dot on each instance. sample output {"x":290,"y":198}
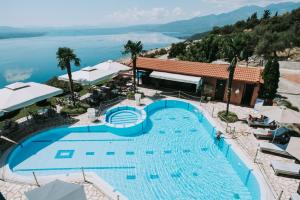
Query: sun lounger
{"x":266,"y":133}
{"x":263,"y":123}
{"x":273,"y":148}
{"x":284,"y":168}
{"x":295,"y":196}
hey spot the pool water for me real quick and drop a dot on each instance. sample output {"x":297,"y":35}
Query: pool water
{"x":176,"y":158}
{"x":124,"y":117}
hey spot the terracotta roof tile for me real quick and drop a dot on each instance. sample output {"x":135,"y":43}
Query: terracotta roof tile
{"x":247,"y":74}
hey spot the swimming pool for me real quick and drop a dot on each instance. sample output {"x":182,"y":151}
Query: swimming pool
{"x":123,"y":115}
{"x":170,"y":154}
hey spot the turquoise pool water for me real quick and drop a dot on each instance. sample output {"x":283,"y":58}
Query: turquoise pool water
{"x":123,"y":115}
{"x":173,"y":155}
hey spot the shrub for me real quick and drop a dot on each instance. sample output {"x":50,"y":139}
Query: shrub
{"x":230,"y":118}
{"x":64,"y":85}
{"x":78,"y":109}
{"x":10,"y":125}
{"x":287,"y":104}
{"x":130,"y":95}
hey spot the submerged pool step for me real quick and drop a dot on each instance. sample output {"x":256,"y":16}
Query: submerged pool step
{"x":124,"y":117}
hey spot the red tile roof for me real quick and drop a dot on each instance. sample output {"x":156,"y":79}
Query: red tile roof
{"x":246,"y":74}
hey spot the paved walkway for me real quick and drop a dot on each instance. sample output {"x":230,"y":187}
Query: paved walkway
{"x":290,"y":88}
{"x":243,"y":138}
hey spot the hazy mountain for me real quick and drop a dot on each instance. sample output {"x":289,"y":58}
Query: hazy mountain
{"x":206,"y":23}
{"x":181,"y":28}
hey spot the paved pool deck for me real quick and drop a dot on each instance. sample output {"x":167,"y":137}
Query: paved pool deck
{"x":243,"y":137}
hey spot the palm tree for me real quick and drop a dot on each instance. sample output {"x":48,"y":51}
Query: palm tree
{"x":231,"y":48}
{"x":134,"y":48}
{"x":64,"y":57}
{"x":231,"y":70}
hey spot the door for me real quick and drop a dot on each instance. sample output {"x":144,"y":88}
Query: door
{"x":247,"y":94}
{"x":220,"y":89}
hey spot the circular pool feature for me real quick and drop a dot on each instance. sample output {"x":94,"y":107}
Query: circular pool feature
{"x":123,"y":115}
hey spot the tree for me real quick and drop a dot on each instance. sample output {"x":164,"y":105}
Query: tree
{"x":271,"y":76}
{"x":65,"y":57}
{"x":231,"y":70}
{"x":266,"y":15}
{"x":178,"y":49}
{"x":135,"y":49}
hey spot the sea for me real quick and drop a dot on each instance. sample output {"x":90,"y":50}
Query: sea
{"x":34,"y":59}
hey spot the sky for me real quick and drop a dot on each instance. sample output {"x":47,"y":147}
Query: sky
{"x":111,"y":13}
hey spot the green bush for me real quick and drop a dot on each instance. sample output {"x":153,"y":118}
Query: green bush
{"x":230,"y":118}
{"x":64,"y":85}
{"x":287,"y":104}
{"x":130,"y":95}
{"x":74,"y":110}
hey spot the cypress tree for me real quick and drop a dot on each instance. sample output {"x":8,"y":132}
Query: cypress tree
{"x":271,"y":76}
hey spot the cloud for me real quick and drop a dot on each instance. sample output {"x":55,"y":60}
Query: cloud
{"x":13,"y":75}
{"x":138,"y":16}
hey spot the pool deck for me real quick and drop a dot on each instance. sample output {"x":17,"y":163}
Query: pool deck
{"x":245,"y":141}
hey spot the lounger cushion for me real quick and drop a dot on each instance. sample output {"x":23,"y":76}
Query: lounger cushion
{"x":286,"y":168}
{"x":274,"y":148}
{"x":295,"y":196}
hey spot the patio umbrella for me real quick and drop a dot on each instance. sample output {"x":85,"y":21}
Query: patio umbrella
{"x":281,"y":114}
{"x":95,"y":74}
{"x":293,"y":147}
{"x":57,"y":190}
{"x":20,"y":95}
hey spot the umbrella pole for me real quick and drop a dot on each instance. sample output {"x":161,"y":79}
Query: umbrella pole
{"x":275,"y":133}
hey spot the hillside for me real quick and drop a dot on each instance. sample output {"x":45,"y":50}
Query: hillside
{"x":271,"y":35}
{"x":206,"y":23}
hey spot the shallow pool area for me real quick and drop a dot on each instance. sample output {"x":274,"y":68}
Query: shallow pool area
{"x":171,"y":153}
{"x":123,"y":115}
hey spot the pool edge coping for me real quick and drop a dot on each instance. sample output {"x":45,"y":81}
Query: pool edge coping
{"x":99,"y":183}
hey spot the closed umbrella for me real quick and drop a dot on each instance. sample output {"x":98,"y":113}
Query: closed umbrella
{"x":57,"y":190}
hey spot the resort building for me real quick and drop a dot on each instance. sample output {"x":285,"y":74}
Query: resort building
{"x":210,"y":79}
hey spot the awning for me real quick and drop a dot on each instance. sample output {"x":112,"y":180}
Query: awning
{"x":19,"y":95}
{"x":57,"y":190}
{"x":293,"y":147}
{"x":176,"y":77}
{"x":92,"y":75}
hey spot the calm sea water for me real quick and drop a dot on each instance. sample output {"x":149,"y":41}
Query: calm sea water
{"x":34,"y":59}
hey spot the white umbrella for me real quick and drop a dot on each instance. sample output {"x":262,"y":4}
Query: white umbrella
{"x":19,"y":95}
{"x":100,"y":72}
{"x":57,"y":190}
{"x":293,"y":147}
{"x":280,"y":114}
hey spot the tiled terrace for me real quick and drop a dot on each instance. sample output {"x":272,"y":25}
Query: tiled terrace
{"x":243,"y":137}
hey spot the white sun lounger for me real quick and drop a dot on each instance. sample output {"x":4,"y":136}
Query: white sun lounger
{"x":266,"y":133}
{"x":286,"y":168}
{"x":295,"y":196}
{"x":273,"y":148}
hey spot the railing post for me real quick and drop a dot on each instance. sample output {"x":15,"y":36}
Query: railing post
{"x":256,"y":153}
{"x":36,"y":181}
{"x":280,"y":195}
{"x":179,"y":94}
{"x":212,"y":112}
{"x":83,"y":174}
